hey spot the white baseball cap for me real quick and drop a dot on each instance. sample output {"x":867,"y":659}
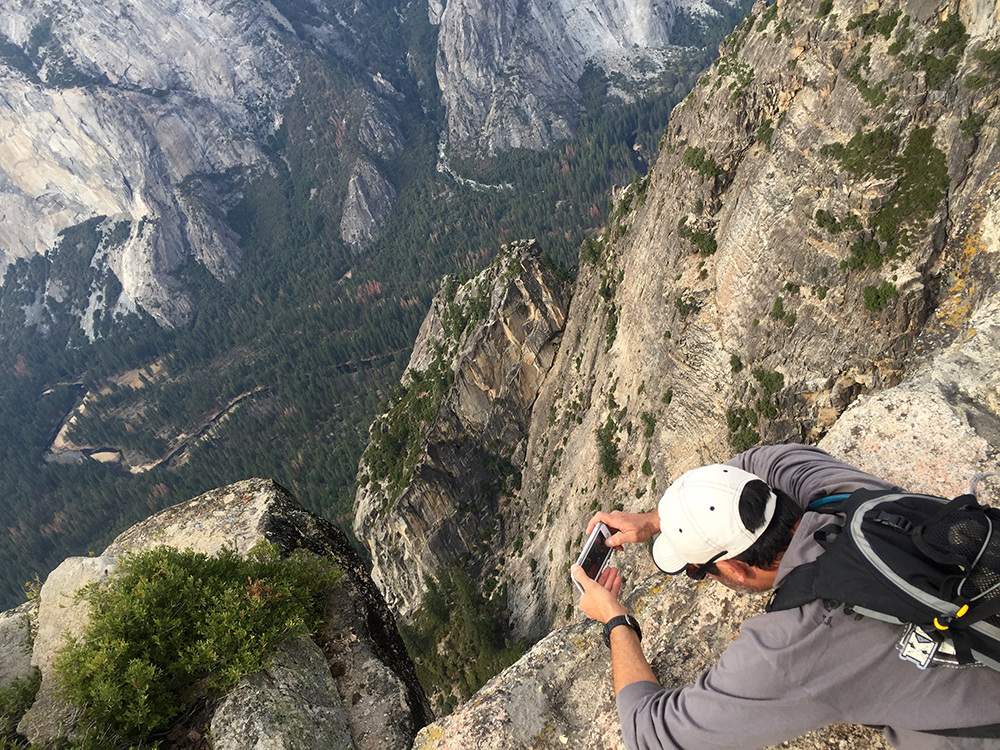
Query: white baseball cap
{"x":700,"y":518}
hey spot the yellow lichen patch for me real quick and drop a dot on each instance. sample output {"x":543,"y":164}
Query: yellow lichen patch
{"x":428,"y":737}
{"x":958,"y":303}
{"x":957,"y":306}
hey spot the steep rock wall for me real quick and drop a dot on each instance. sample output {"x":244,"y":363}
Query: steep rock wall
{"x":819,"y":222}
{"x":663,"y":341}
{"x":100,"y":117}
{"x":154,"y":115}
{"x":447,"y":455}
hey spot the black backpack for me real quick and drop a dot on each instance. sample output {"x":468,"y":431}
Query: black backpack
{"x":925,"y":562}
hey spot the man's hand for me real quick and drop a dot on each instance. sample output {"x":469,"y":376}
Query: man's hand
{"x":600,"y":597}
{"x":631,"y":528}
{"x":600,"y":602}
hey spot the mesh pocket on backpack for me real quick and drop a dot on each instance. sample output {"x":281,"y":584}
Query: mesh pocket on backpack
{"x":970,"y":539}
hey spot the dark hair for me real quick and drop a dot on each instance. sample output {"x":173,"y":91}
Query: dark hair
{"x":766,"y":552}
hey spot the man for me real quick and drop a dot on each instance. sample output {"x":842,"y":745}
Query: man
{"x":742,"y":524}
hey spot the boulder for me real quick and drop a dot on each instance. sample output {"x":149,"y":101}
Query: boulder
{"x":16,"y":643}
{"x":60,"y":615}
{"x":362,"y":694}
{"x":293,"y":704}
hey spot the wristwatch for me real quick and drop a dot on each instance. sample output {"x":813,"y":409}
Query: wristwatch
{"x":614,"y":622}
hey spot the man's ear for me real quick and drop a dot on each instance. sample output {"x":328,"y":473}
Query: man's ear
{"x":735,"y":570}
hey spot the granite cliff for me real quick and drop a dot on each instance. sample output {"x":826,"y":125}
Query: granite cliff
{"x":448,"y":453}
{"x":813,"y":257}
{"x":149,"y":118}
{"x":510,"y":73}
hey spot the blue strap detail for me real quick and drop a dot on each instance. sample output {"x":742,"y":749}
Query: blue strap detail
{"x":828,"y":499}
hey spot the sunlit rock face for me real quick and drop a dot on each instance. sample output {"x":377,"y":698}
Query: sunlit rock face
{"x":508,"y":70}
{"x":814,"y":257}
{"x":120,"y":110}
{"x":483,"y":352}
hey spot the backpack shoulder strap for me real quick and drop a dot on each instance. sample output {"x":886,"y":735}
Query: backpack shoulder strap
{"x":795,"y":590}
{"x":823,"y":504}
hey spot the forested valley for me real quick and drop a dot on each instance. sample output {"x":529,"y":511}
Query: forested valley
{"x":283,"y":368}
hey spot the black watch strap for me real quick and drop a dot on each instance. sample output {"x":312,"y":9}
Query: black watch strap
{"x":614,"y":622}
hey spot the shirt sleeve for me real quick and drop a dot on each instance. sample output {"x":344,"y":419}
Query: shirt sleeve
{"x":805,"y":472}
{"x":744,"y":702}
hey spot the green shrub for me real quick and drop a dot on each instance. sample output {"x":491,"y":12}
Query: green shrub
{"x":590,"y":251}
{"x":990,"y":59}
{"x":687,"y":306}
{"x":14,"y":701}
{"x":770,"y":382}
{"x":742,"y":424}
{"x":975,"y":82}
{"x":607,"y":448}
{"x":171,"y":627}
{"x":864,"y":254}
{"x":971,"y":125}
{"x":873,"y":22}
{"x":698,"y":161}
{"x":778,"y":312}
{"x":877,"y":298}
{"x":649,"y":424}
{"x":824,"y":8}
{"x":949,"y":37}
{"x":611,"y":328}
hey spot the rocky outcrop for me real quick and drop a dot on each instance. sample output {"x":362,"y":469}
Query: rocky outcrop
{"x":15,"y":643}
{"x":360,"y":691}
{"x":820,"y":221}
{"x":509,"y":71}
{"x":451,"y":446}
{"x":369,"y":199}
{"x":60,"y":615}
{"x":292,"y":704}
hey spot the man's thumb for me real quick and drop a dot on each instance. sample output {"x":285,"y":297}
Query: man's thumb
{"x":578,"y":575}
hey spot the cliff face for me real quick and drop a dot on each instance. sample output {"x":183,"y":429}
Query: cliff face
{"x":509,"y":71}
{"x":820,"y":205}
{"x":102,"y":118}
{"x":151,"y":116}
{"x":814,"y":257}
{"x":447,"y":456}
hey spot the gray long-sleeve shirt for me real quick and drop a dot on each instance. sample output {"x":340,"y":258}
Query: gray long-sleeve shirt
{"x":801,"y":669}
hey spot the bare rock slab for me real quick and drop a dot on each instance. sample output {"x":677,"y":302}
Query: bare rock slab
{"x":291,"y":705}
{"x":60,"y":615}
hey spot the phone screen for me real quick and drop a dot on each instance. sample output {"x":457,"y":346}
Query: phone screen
{"x":595,"y":552}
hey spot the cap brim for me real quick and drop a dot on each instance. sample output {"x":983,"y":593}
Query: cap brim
{"x":666,"y":558}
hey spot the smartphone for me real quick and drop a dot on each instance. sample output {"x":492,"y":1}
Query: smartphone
{"x":596,"y":553}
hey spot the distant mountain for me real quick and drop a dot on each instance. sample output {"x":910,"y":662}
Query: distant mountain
{"x":153,"y":119}
{"x":517,"y":74}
